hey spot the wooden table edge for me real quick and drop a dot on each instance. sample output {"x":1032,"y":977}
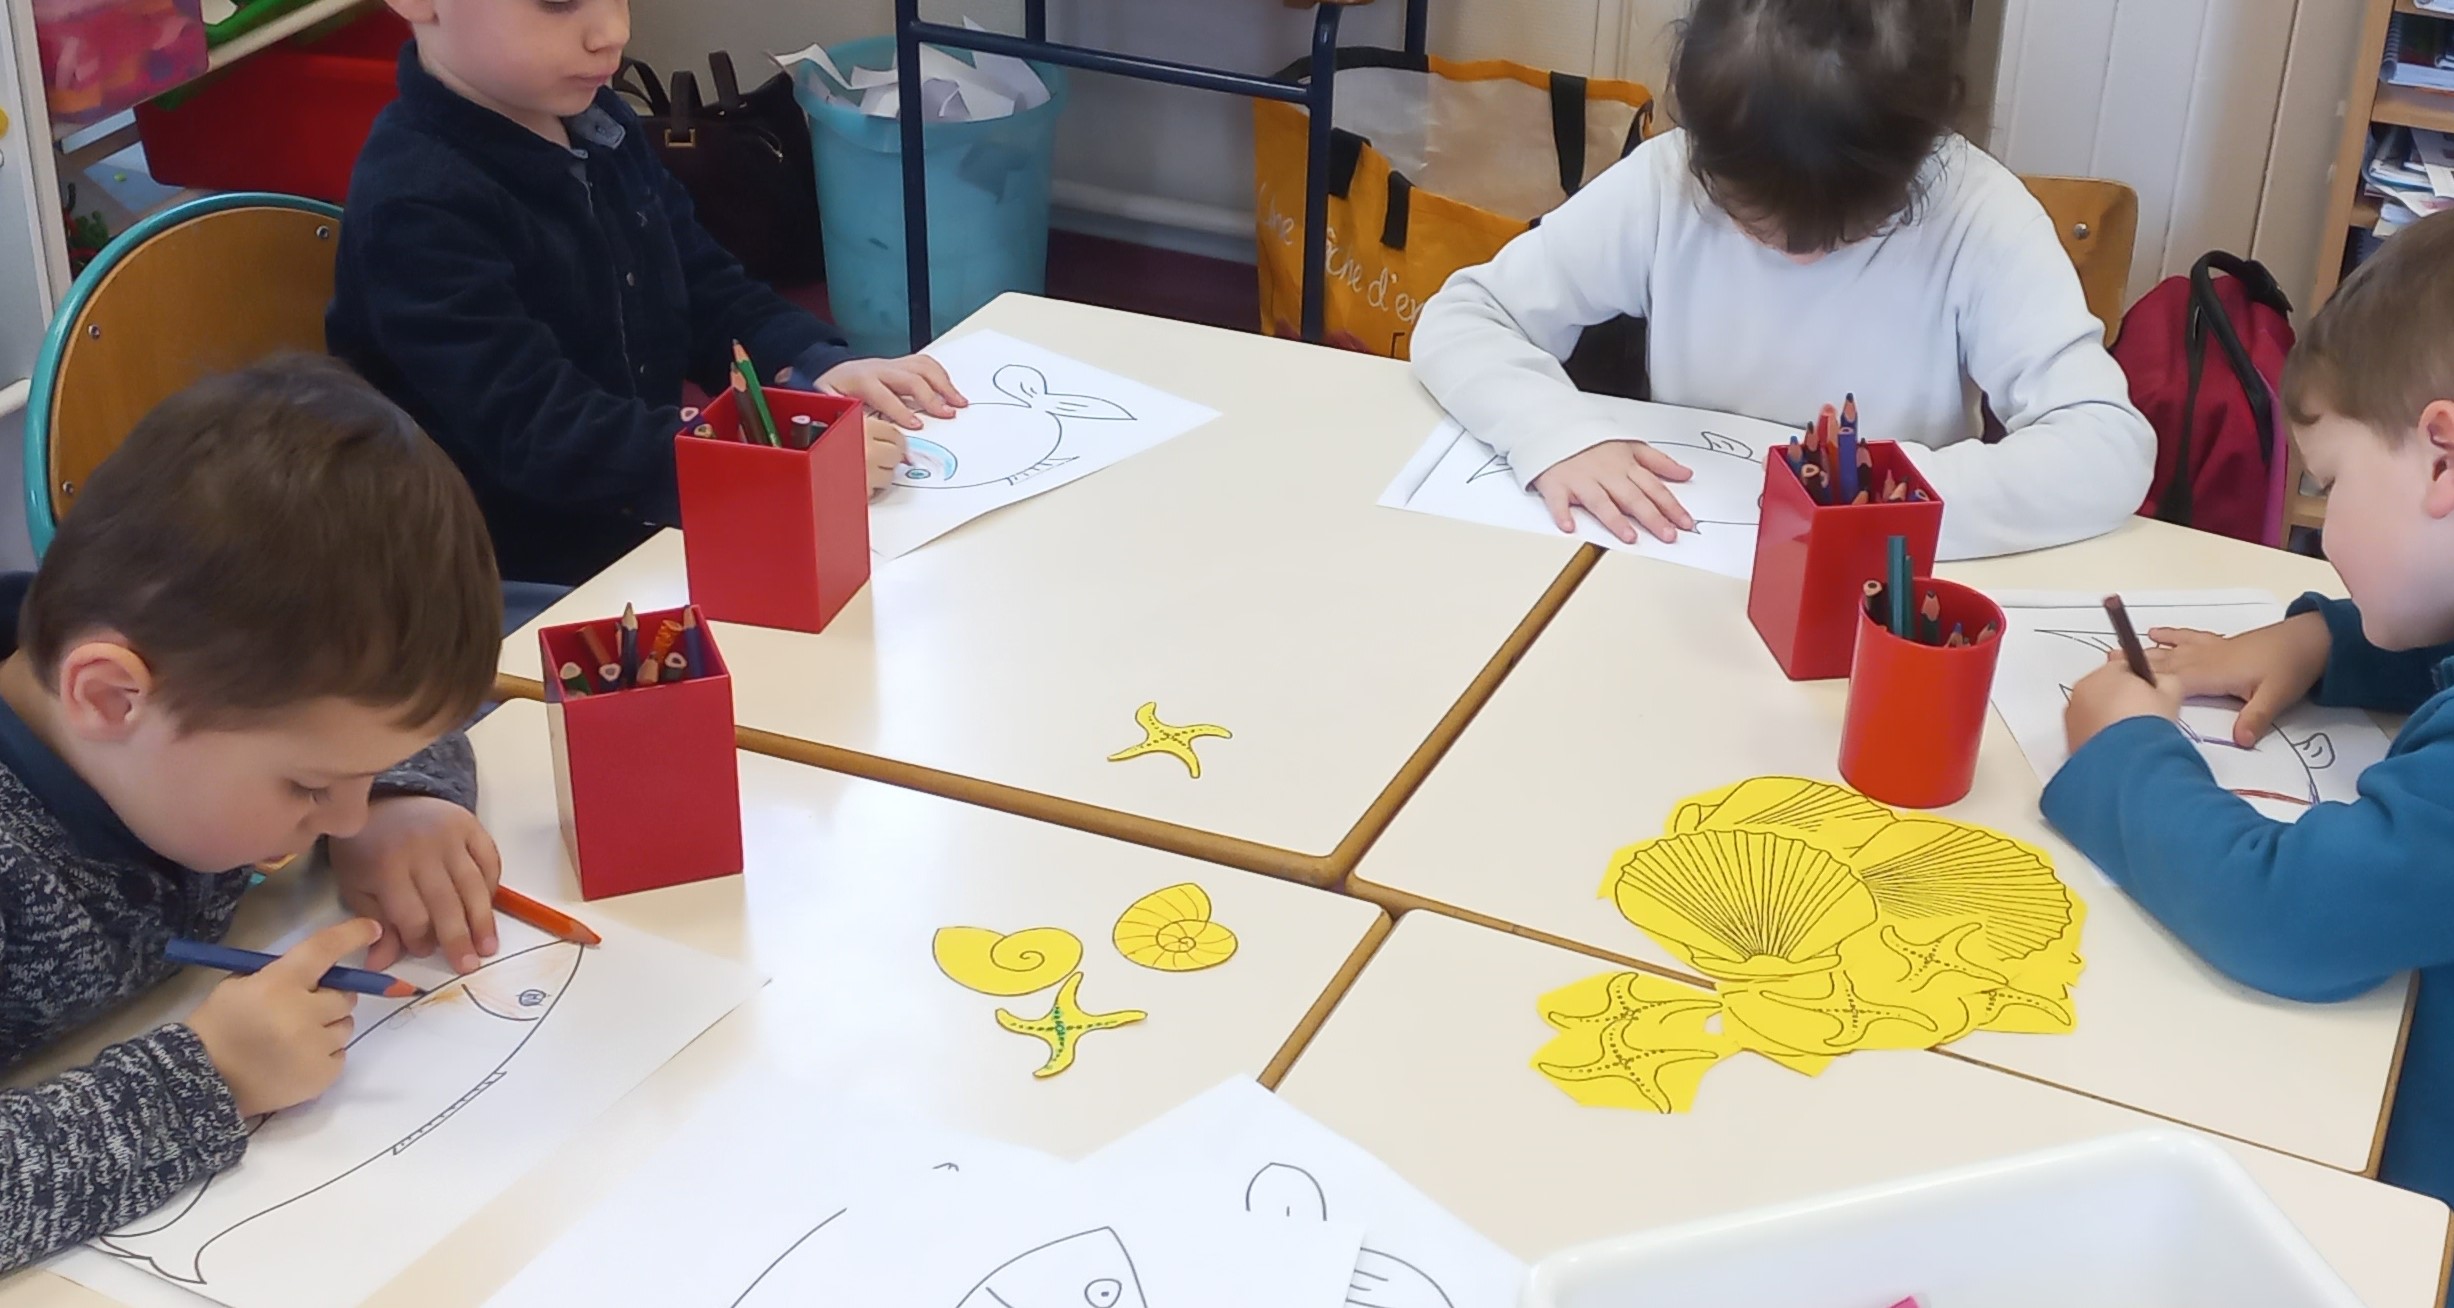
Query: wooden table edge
{"x":1301,"y":1038}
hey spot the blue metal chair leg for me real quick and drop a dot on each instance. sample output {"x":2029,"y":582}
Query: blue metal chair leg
{"x":915,"y":173}
{"x":1035,"y":20}
{"x":1418,"y":27}
{"x":1320,"y":104}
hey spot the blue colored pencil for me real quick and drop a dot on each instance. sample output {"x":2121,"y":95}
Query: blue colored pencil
{"x":1899,"y":587}
{"x":694,"y":645}
{"x":356,"y":980}
{"x":1848,"y":469}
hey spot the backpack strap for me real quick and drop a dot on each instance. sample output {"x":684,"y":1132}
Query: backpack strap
{"x":2208,"y":316}
{"x":643,"y":83}
{"x":1568,"y":129}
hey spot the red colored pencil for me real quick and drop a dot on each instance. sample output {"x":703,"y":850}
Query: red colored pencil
{"x":552,"y":921}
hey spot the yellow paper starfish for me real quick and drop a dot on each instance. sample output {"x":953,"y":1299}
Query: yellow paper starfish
{"x":1177,"y":742}
{"x":1065,"y":1025}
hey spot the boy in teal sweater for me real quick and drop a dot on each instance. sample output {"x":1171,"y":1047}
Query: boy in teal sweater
{"x":2353,"y":894}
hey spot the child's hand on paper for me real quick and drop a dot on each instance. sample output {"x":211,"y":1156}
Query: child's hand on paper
{"x":274,"y":1037}
{"x":1617,"y":481}
{"x":886,"y":451}
{"x":425,"y":870}
{"x":2269,"y":670}
{"x":2113,"y":693}
{"x":896,"y":388}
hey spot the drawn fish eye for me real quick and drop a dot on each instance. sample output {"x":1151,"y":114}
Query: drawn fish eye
{"x":531,"y":998}
{"x":1103,"y":1293}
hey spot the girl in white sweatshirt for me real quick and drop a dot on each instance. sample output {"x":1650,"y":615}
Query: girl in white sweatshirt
{"x":1816,"y":228}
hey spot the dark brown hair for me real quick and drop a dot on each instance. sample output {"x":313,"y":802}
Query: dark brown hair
{"x":1816,"y":117}
{"x":2382,"y":350}
{"x":276,"y":536}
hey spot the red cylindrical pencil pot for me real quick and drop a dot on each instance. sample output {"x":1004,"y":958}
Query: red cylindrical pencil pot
{"x":775,"y":536}
{"x":646,"y":775}
{"x":1917,"y":710}
{"x":1812,"y":561}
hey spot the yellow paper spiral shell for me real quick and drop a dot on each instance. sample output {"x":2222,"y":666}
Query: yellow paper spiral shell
{"x":1171,"y":930}
{"x":1023,"y":963}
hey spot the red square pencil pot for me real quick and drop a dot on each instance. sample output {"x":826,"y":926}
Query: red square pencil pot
{"x":775,"y":536}
{"x":1917,"y":712}
{"x":1812,"y":561}
{"x":646,"y":776}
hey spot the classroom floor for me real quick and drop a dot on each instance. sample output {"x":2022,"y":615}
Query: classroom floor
{"x":1135,"y":278}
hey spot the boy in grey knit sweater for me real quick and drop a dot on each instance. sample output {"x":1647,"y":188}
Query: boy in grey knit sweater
{"x":273,"y":594}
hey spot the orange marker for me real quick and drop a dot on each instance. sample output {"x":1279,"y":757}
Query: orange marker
{"x":554,"y":922}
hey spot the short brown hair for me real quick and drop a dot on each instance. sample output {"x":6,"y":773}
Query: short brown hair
{"x":272,"y":537}
{"x":1816,"y":116}
{"x":2382,"y":350}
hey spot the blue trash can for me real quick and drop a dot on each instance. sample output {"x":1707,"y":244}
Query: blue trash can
{"x":988,"y":206}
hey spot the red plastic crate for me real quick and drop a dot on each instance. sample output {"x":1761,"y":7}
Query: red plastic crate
{"x":290,"y":119}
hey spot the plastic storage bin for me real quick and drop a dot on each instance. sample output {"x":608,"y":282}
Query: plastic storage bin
{"x":2153,"y":1220}
{"x":290,"y":119}
{"x":101,"y":56}
{"x":1812,"y":562}
{"x":988,"y":207}
{"x":776,"y":537}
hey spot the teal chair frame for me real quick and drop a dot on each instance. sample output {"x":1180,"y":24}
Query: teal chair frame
{"x":41,"y":523}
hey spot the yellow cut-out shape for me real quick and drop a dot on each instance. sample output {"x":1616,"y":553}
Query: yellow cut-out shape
{"x":1175,"y":742}
{"x":1171,"y":930}
{"x":1065,"y":1025}
{"x":1628,"y":1040}
{"x":1742,"y":905}
{"x":1023,"y":963}
{"x":1834,"y":817}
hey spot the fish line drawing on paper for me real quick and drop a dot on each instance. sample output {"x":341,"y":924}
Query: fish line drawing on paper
{"x":1091,"y":1269}
{"x":1010,"y":440}
{"x":1729,"y":460}
{"x":2278,"y":774}
{"x":1381,"y":1280}
{"x":440,"y":1052}
{"x":743,"y":1299}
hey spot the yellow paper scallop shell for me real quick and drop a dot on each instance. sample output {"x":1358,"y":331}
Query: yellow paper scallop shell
{"x":1742,"y":905}
{"x":1171,"y":930}
{"x":1023,"y":963}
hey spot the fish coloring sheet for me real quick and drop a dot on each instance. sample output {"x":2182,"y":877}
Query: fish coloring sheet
{"x":1243,"y":1148}
{"x":2052,"y":639}
{"x":1456,"y":476}
{"x":446,"y":1100}
{"x":1036,"y":421}
{"x":774,"y":1197}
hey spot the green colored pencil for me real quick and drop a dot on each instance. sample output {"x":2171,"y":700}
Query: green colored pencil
{"x":754,"y":395}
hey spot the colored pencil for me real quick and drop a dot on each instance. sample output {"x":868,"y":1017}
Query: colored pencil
{"x":1930,"y":617}
{"x":552,"y":921}
{"x":667,"y":632}
{"x":694,"y":644}
{"x":356,"y":980}
{"x":1811,"y":477}
{"x":1828,"y":422}
{"x":1958,"y":637}
{"x":677,"y":668}
{"x":1988,"y":634}
{"x":754,"y":397}
{"x":630,"y":637}
{"x":603,"y":656}
{"x":1874,"y":601}
{"x":704,"y":431}
{"x":804,"y":432}
{"x":648,"y":668}
{"x":1898,"y":585}
{"x":1847,"y":455}
{"x":574,"y":681}
{"x":2133,"y":652}
{"x":1795,"y":452}
{"x":689,"y":416}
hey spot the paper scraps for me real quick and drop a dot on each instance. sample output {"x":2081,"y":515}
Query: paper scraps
{"x":1065,"y":1025}
{"x":1175,"y":742}
{"x":1170,"y":931}
{"x":1023,"y":963}
{"x":1826,"y":923}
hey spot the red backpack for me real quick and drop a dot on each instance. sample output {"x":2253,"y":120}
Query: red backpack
{"x":2221,"y":461}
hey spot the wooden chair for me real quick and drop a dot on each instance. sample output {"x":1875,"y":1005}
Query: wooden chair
{"x":203,"y":287}
{"x":2098,"y":222}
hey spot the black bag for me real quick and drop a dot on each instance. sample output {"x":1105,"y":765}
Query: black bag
{"x":746,"y":162}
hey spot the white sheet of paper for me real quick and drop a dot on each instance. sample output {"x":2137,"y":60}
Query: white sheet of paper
{"x":1037,"y":421}
{"x":1015,"y":78}
{"x":1242,"y":1149}
{"x":815,"y":54}
{"x":765,"y":1188}
{"x":1456,"y":476}
{"x":2051,"y":639}
{"x":446,"y":1100}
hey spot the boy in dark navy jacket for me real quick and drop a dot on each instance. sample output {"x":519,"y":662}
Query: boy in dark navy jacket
{"x":521,"y":274}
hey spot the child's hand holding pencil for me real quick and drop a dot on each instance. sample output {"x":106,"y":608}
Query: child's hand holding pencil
{"x":2126,"y":687}
{"x":276,"y":1035}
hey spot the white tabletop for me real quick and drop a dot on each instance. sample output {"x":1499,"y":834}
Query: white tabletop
{"x":1651,"y":686}
{"x":1239,"y":575}
{"x":1425,"y":1063}
{"x":848,"y":881}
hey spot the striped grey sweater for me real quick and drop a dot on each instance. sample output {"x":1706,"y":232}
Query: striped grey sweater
{"x":92,"y":1149}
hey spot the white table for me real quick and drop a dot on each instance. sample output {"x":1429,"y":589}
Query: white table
{"x":1239,"y":575}
{"x":847,"y":882}
{"x":1425,"y":1063}
{"x":1651,"y":686}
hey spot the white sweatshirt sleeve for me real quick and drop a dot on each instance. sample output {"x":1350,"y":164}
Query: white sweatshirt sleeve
{"x":2078,"y":457}
{"x":1489,"y":346}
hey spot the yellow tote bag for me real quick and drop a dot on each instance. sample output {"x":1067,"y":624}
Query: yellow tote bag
{"x":1433,"y":167}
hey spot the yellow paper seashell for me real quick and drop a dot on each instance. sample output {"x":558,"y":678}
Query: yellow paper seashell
{"x":1835,"y":817}
{"x":1628,"y":1040}
{"x":1171,"y":930}
{"x":1742,"y":905}
{"x":1023,"y":963}
{"x":1920,"y":869}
